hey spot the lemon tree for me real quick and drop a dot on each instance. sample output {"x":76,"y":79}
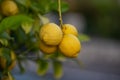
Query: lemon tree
{"x":26,"y":31}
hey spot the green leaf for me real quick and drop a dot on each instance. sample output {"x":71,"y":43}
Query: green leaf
{"x":3,"y":42}
{"x":26,"y":27}
{"x":43,"y":67}
{"x":78,"y":62}
{"x":83,"y":37}
{"x":42,"y":6}
{"x":58,"y":71}
{"x":59,"y":56}
{"x":44,"y":19}
{"x":22,"y":69}
{"x":13,"y":22}
{"x":10,"y":77}
{"x":64,"y":6}
{"x":0,"y":0}
{"x":36,"y":25}
{"x":5,"y":54}
{"x":5,"y":35}
{"x":25,"y":3}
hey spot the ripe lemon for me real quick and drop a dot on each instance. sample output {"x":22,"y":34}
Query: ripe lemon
{"x":3,"y":62}
{"x":69,"y":29}
{"x":51,"y":34}
{"x":9,"y":7}
{"x":47,"y":49}
{"x":70,"y":46}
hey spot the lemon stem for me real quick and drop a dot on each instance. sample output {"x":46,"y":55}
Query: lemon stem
{"x":60,"y":14}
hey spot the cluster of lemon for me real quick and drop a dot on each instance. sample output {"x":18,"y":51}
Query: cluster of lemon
{"x":63,"y":39}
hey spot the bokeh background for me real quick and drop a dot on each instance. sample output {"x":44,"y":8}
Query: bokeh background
{"x":100,"y":56}
{"x":100,"y":19}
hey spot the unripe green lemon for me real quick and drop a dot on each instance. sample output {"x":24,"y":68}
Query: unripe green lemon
{"x":70,"y":46}
{"x":9,"y":7}
{"x":3,"y":62}
{"x":69,"y":29}
{"x":51,"y":34}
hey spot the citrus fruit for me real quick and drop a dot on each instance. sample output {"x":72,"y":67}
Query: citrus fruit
{"x":47,"y":49}
{"x":70,"y":46}
{"x":51,"y":34}
{"x":69,"y":29}
{"x":3,"y":62}
{"x":9,"y":7}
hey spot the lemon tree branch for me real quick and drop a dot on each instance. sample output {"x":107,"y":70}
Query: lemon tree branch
{"x":60,"y":14}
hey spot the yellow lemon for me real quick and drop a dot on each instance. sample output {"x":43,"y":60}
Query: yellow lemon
{"x":51,"y":34}
{"x":3,"y":62}
{"x":70,"y":46}
{"x":9,"y":7}
{"x":47,"y":49}
{"x":69,"y":29}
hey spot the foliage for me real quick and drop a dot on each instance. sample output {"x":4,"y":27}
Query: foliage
{"x":20,"y":33}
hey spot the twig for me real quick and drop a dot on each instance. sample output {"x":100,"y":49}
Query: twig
{"x":60,"y":13}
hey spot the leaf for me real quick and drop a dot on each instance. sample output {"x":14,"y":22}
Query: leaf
{"x":1,"y":74}
{"x":26,"y":27}
{"x":59,"y":56}
{"x":6,"y":76}
{"x":44,"y":19}
{"x":42,"y":6}
{"x":58,"y":71}
{"x":42,"y":67}
{"x":1,"y":17}
{"x":5,"y":35}
{"x":22,"y":69}
{"x":10,"y":77}
{"x":64,"y":6}
{"x":83,"y":37}
{"x":36,"y":25}
{"x":13,"y":22}
{"x":78,"y":62}
{"x":5,"y":57}
{"x":3,"y":42}
{"x":25,"y":3}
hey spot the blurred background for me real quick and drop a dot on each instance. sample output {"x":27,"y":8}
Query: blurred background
{"x":99,"y":19}
{"x":99,"y":57}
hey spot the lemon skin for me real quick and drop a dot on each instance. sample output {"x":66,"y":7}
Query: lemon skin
{"x":69,"y":29}
{"x":9,"y":8}
{"x":51,"y":34}
{"x":70,"y":46}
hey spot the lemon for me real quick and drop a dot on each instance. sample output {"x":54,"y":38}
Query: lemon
{"x":70,"y":46}
{"x":9,"y":7}
{"x":47,"y":49}
{"x":3,"y":61}
{"x":69,"y":29}
{"x":51,"y":34}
